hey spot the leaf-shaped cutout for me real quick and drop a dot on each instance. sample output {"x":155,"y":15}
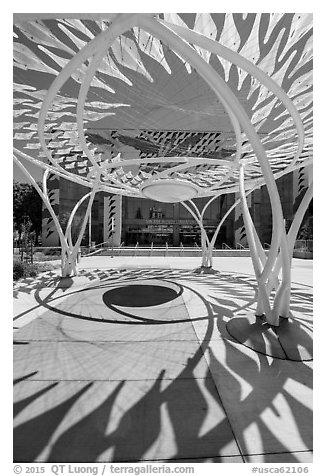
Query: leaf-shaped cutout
{"x":205,"y":25}
{"x":75,"y":39}
{"x":37,"y":32}
{"x":109,"y":68}
{"x":126,"y":53}
{"x":151,"y":46}
{"x":174,"y":18}
{"x":26,"y":59}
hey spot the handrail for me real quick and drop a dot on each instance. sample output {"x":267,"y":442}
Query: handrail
{"x":167,"y":250}
{"x":100,"y":244}
{"x":91,"y":253}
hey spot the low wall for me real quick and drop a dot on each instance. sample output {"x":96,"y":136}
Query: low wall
{"x":302,"y":254}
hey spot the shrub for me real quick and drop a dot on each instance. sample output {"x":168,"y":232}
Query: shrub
{"x":52,"y":251}
{"x":43,"y":267}
{"x":28,"y":270}
{"x":32,"y":270}
{"x":18,"y":270}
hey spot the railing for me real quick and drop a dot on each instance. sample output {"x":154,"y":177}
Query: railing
{"x":105,"y":244}
{"x":168,"y":250}
{"x":96,"y":248}
{"x":121,"y":246}
{"x":101,"y":244}
{"x":240,"y":246}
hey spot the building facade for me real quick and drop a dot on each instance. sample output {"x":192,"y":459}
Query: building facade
{"x":125,"y":220}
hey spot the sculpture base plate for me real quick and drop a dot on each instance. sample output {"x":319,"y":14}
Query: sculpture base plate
{"x":291,"y":340}
{"x":206,"y":270}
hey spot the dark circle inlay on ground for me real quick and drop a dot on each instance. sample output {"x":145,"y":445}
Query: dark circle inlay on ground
{"x":138,"y":295}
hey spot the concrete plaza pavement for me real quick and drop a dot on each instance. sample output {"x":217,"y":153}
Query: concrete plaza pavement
{"x":132,"y":361}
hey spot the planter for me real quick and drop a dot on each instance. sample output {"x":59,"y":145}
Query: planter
{"x":302,"y":254}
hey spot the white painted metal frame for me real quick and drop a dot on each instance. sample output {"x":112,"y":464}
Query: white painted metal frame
{"x":179,"y":39}
{"x":263,"y":271}
{"x":69,"y":250}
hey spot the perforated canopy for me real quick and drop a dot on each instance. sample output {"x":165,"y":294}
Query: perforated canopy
{"x":147,"y":98}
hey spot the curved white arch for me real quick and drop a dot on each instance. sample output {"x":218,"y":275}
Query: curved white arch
{"x":236,"y":58}
{"x":120,"y":24}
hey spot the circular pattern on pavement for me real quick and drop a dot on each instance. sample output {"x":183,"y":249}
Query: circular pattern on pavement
{"x":291,"y":340}
{"x":140,"y":295}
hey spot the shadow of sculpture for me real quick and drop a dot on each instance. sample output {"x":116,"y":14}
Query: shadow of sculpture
{"x":181,"y":418}
{"x":31,"y":436}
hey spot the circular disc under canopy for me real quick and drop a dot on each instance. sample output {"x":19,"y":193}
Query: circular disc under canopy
{"x":170,"y":191}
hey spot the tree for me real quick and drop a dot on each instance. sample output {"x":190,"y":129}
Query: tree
{"x":306,"y":230}
{"x":26,"y":204}
{"x":76,"y":226}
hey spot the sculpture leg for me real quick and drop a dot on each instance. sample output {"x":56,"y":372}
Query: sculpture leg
{"x":203,"y":235}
